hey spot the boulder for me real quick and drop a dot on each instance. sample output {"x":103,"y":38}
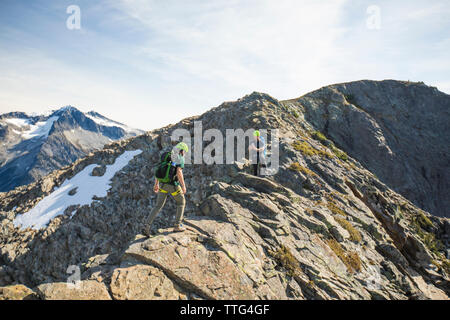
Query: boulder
{"x":83,"y":290}
{"x":73,"y":191}
{"x":98,"y":171}
{"x":17,"y":292}
{"x":142,"y":282}
{"x":203,"y":270}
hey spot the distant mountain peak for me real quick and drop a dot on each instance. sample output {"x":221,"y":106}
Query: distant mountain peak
{"x":33,"y":145}
{"x":67,"y":108}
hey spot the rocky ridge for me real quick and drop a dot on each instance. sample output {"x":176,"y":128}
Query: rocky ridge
{"x":396,"y":129}
{"x":322,"y":227}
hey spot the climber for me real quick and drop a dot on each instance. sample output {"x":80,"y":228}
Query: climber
{"x":258,"y":145}
{"x":172,"y":183}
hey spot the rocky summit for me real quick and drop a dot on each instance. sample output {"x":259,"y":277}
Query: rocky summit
{"x":397,"y":130}
{"x":339,"y":219}
{"x":32,"y":146}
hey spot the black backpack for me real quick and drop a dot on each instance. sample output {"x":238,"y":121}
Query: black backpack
{"x":165,"y":171}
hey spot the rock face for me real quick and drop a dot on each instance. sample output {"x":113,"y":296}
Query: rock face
{"x":321,"y":227}
{"x":397,"y":130}
{"x":17,"y":292}
{"x":142,"y":282}
{"x":184,"y":258}
{"x":33,"y":146}
{"x":84,"y":290}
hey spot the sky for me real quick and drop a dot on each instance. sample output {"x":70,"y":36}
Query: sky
{"x":151,"y":63}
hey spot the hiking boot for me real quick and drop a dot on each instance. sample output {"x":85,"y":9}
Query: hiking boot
{"x":146,"y":231}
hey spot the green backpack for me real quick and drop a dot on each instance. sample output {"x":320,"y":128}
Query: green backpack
{"x":165,"y":171}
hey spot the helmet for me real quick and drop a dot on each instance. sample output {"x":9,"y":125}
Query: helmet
{"x":182,"y":146}
{"x":256,"y":133}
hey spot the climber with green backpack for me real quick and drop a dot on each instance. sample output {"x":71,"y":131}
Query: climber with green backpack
{"x":169,"y":172}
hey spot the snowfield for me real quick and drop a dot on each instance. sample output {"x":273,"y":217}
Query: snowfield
{"x":39,"y":129}
{"x":87,"y":186}
{"x":18,"y":122}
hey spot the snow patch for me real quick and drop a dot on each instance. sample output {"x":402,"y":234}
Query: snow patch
{"x":109,"y":123}
{"x":41,"y":128}
{"x":55,"y":203}
{"x":18,"y":122}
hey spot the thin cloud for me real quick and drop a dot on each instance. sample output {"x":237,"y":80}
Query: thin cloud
{"x":261,"y":45}
{"x":188,"y":56}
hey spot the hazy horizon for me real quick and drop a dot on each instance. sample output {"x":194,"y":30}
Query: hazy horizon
{"x":148,"y":63}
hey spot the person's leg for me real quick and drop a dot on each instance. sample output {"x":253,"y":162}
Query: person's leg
{"x":258,"y":161}
{"x":181,"y":203}
{"x":160,"y":201}
{"x":262,"y":161}
{"x":255,"y":169}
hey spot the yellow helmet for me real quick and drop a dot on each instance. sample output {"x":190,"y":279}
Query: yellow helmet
{"x":182,"y":146}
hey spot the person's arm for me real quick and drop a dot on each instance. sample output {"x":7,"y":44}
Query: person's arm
{"x":156,"y":186}
{"x":181,"y":179}
{"x":263,"y":146}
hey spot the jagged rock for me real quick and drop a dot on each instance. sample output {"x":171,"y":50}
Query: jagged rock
{"x":99,"y":171}
{"x":248,"y":258}
{"x":47,"y":184}
{"x":216,"y":206}
{"x":96,"y":261}
{"x":72,"y":191}
{"x":184,"y":260}
{"x":393,"y":254}
{"x":82,"y":290}
{"x":70,"y":209}
{"x":17,"y":292}
{"x":142,"y":282}
{"x":428,"y":290}
{"x":5,"y":279}
{"x":258,"y":183}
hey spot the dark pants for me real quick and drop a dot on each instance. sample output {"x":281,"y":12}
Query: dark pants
{"x":255,"y":169}
{"x":260,"y":162}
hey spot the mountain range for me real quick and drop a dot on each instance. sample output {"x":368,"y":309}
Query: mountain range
{"x":31,"y":146}
{"x":347,"y":215}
